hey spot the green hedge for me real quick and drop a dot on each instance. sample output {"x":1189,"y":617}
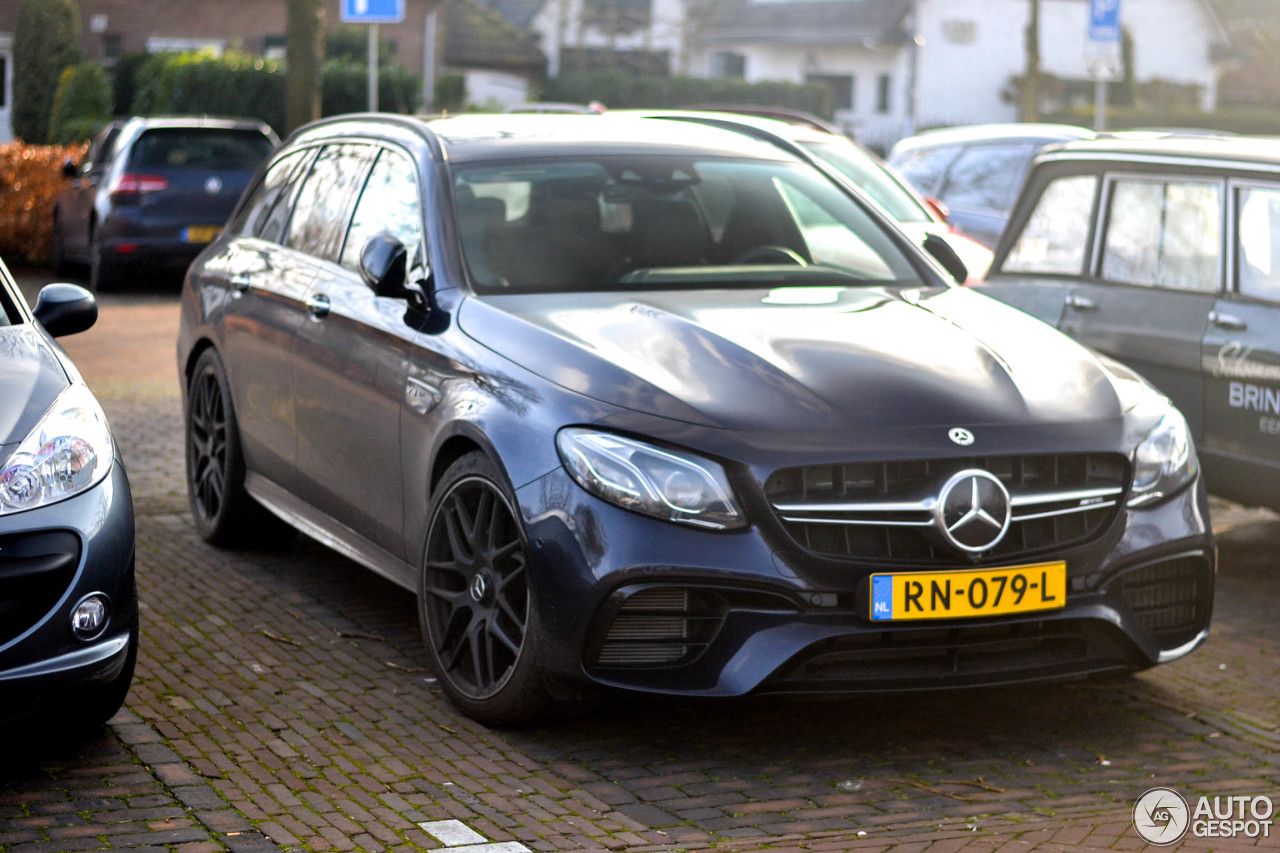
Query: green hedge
{"x":237,"y":84}
{"x":346,"y":88}
{"x":619,"y":90}
{"x":82,"y":104}
{"x":234,"y":84}
{"x":1243,"y":120}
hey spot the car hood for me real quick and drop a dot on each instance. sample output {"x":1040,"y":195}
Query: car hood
{"x":802,"y":357}
{"x":31,"y":378}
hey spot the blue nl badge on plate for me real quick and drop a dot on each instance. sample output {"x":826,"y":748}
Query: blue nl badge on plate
{"x":882,"y":597}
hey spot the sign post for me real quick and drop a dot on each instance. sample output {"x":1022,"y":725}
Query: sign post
{"x":1103,"y":54}
{"x":372,"y":12}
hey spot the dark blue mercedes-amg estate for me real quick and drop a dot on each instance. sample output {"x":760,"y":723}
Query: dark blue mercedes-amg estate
{"x":666,"y":409}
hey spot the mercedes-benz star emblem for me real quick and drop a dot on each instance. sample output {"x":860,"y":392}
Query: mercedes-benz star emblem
{"x":213,"y":186}
{"x":973,"y":511}
{"x":961,"y":436}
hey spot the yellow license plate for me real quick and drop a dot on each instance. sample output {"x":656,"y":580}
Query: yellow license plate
{"x":201,"y":233}
{"x":968,"y":593}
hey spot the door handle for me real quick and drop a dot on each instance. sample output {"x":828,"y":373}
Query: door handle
{"x":1228,"y":322}
{"x":1081,"y":303}
{"x":240,"y":283}
{"x":318,"y":305}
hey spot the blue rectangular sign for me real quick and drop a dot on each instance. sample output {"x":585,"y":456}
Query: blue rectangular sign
{"x":1104,"y":20}
{"x":372,"y":11}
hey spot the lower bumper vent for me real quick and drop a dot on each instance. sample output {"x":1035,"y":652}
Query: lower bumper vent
{"x":1171,"y":598}
{"x":35,"y":571}
{"x":664,"y":626}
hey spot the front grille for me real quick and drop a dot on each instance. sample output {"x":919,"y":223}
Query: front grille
{"x":904,"y":658}
{"x":1170,"y":598}
{"x":660,"y":626}
{"x":883,"y":511}
{"x":35,"y":571}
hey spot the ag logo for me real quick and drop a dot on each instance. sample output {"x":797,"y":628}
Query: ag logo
{"x":1161,"y":816}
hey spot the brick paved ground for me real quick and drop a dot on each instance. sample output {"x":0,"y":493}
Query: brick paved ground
{"x":282,"y":702}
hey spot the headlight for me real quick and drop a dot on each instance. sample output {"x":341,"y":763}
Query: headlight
{"x":68,"y":452}
{"x":662,"y":483}
{"x":1164,"y":462}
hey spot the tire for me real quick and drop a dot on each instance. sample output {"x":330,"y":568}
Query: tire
{"x":475,"y":601}
{"x":225,"y":514}
{"x":60,"y":265}
{"x":104,"y":275}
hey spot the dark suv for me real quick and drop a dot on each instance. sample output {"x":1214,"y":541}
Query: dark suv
{"x":153,"y":192}
{"x":669,"y":409}
{"x":1165,"y":254}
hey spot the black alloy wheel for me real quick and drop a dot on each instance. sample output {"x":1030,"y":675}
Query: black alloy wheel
{"x":224,"y":512}
{"x":476,"y":601}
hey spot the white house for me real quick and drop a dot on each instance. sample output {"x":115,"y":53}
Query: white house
{"x":897,"y":65}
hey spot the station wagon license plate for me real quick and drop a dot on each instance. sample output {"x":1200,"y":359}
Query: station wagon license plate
{"x":968,"y":593}
{"x":201,"y":233}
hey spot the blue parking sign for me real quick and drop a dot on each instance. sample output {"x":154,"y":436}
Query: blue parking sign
{"x":1104,"y":20}
{"x":372,"y":11}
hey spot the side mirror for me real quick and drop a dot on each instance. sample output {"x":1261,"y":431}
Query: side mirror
{"x":65,"y":309}
{"x":384,"y":264}
{"x":945,"y":255}
{"x":69,"y":168}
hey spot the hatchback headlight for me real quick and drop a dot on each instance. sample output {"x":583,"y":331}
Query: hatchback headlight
{"x":1164,"y":461}
{"x":68,"y":452}
{"x":663,"y":483}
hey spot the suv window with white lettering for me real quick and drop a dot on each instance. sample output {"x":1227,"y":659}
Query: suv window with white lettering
{"x":1164,"y":234}
{"x":1054,"y":239}
{"x":1258,"y":252}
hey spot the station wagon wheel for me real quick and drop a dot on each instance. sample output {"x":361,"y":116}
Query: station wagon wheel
{"x":224,"y":512}
{"x":476,"y":599}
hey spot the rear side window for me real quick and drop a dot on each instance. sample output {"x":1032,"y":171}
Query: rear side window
{"x":1054,"y":239}
{"x":1164,"y":234}
{"x":200,"y":148}
{"x":1258,"y":253}
{"x":987,"y":177}
{"x":266,"y":211}
{"x":924,"y":168}
{"x":324,"y":203}
{"x":390,"y":202}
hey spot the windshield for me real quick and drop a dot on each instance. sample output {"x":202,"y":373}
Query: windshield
{"x":639,"y":223}
{"x":875,"y":180}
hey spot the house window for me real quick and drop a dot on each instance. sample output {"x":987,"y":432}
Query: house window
{"x":839,"y":85}
{"x":884,"y":93}
{"x":112,"y":48}
{"x":727,"y":64}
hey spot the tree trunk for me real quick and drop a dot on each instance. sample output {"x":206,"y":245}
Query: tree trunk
{"x":1029,"y":108}
{"x":304,"y":52}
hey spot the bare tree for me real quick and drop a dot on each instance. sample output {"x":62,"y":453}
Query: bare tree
{"x":304,"y":52}
{"x":1029,"y":101}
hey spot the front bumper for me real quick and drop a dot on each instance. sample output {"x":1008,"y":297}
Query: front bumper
{"x":630,"y":602}
{"x":50,"y":559}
